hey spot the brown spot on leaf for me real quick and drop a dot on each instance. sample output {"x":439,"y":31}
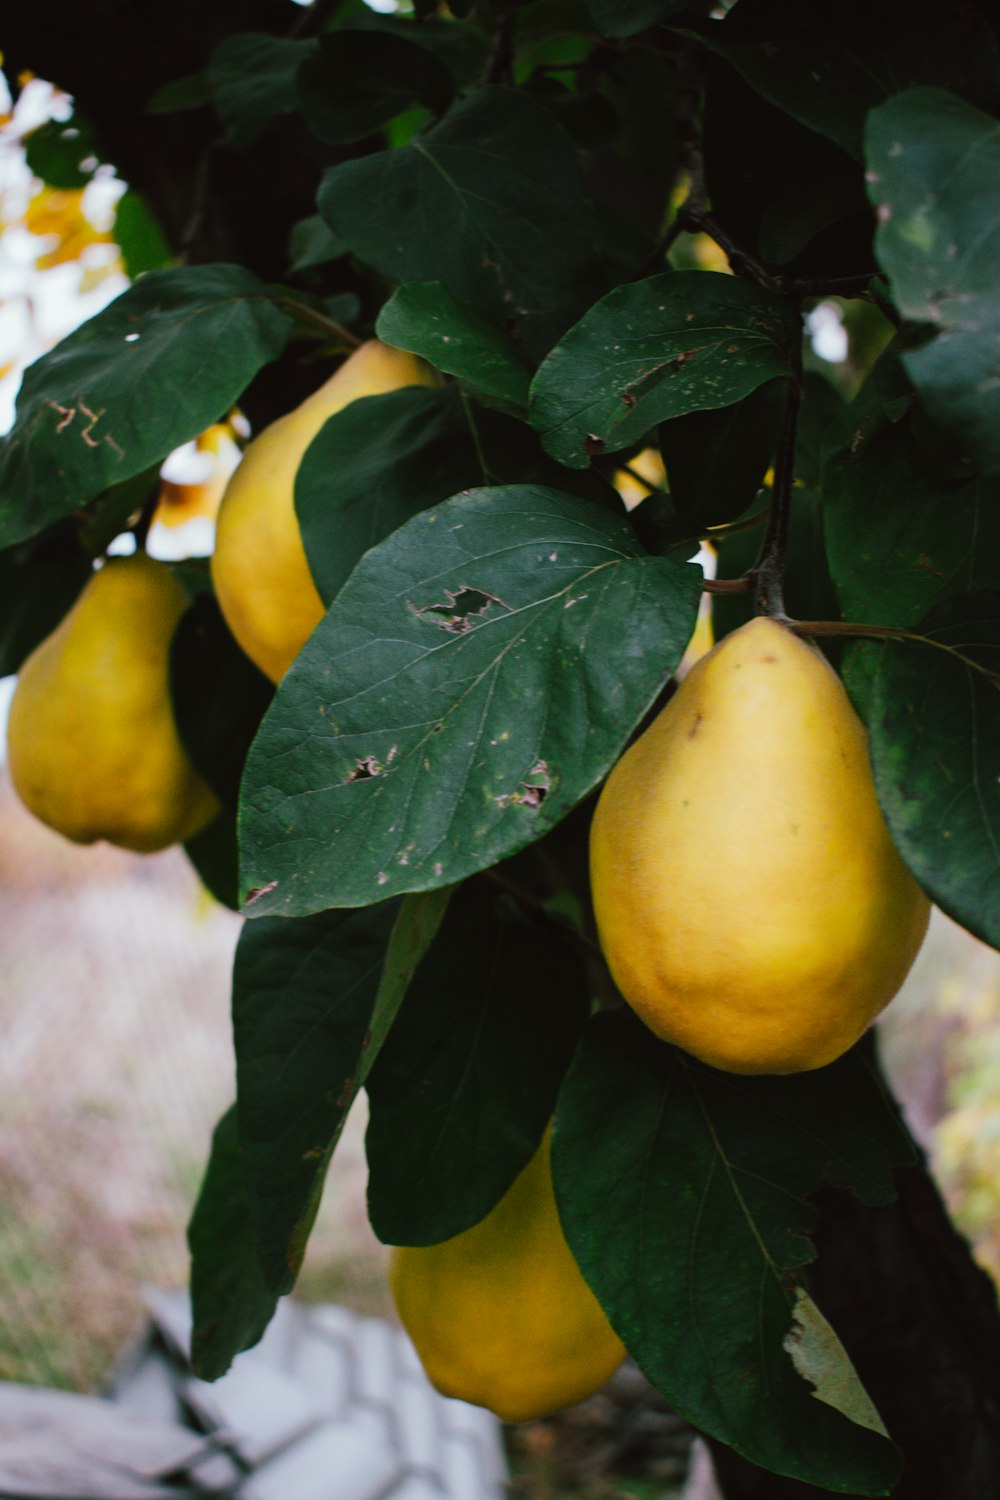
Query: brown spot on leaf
{"x":259,"y":891}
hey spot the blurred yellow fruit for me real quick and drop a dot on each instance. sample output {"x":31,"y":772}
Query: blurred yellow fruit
{"x":500,"y":1315}
{"x":93,"y":747}
{"x":181,"y":501}
{"x":259,"y":569}
{"x":648,"y":465}
{"x":749,"y":900}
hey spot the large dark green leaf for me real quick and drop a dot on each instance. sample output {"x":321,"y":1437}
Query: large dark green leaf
{"x":650,"y":350}
{"x":384,"y":458}
{"x":684,"y":1196}
{"x":359,"y":80}
{"x":465,"y":1085}
{"x":903,"y":531}
{"x":491,"y":202}
{"x":476,"y":676}
{"x":253,"y":78}
{"x":161,"y":363}
{"x":934,"y":732}
{"x":716,"y":460}
{"x":933,"y":163}
{"x":621,"y":18}
{"x":425,"y":319}
{"x":219,"y":697}
{"x":828,"y":63}
{"x":230,"y":1300}
{"x":39,"y":581}
{"x":313,"y":1001}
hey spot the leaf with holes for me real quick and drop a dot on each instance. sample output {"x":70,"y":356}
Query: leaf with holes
{"x":933,"y":163}
{"x":491,"y":202}
{"x":934,"y":732}
{"x":313,"y":1002}
{"x":683,"y":1194}
{"x":426,"y":319}
{"x":385,"y":458}
{"x":903,"y":531}
{"x":681,"y":342}
{"x":477,"y":675}
{"x":464,"y":1087}
{"x":164,"y":361}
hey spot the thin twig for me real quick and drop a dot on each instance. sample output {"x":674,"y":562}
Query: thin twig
{"x":768,"y":571}
{"x":304,"y":314}
{"x":889,"y":633}
{"x":499,"y":65}
{"x":728,"y":585}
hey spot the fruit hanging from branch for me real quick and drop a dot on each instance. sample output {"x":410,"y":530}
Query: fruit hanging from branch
{"x":750,"y":903}
{"x":259,"y":569}
{"x":500,"y":1314}
{"x":94,"y":749}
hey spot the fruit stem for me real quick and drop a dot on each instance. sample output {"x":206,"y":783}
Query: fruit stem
{"x":768,"y":572}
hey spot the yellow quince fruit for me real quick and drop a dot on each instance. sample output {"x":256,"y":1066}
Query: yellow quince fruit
{"x":93,"y":747}
{"x":260,"y":572}
{"x":500,"y":1314}
{"x":749,"y":900}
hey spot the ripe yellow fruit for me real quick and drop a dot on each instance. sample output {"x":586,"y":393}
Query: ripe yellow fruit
{"x":500,"y":1315}
{"x":749,"y":900}
{"x":93,"y":748}
{"x":260,"y":571}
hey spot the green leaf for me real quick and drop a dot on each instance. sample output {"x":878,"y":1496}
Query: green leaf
{"x":650,"y":350}
{"x":215,"y":858}
{"x":426,"y":319}
{"x":313,"y":1001}
{"x":465,"y":690}
{"x":622,"y":18}
{"x":63,"y":153}
{"x":465,"y":1085}
{"x":385,"y":458}
{"x":827,"y":64}
{"x":139,"y":237}
{"x":160,"y":364}
{"x":230,"y":1301}
{"x":181,"y":94}
{"x":932,"y":168}
{"x":683,"y":1194}
{"x":219,"y":697}
{"x":39,"y":582}
{"x":313,"y":244}
{"x":463,"y":49}
{"x":903,"y":532}
{"x":716,"y":460}
{"x":253,"y":77}
{"x":360,"y":80}
{"x":491,"y":202}
{"x":934,"y":735}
